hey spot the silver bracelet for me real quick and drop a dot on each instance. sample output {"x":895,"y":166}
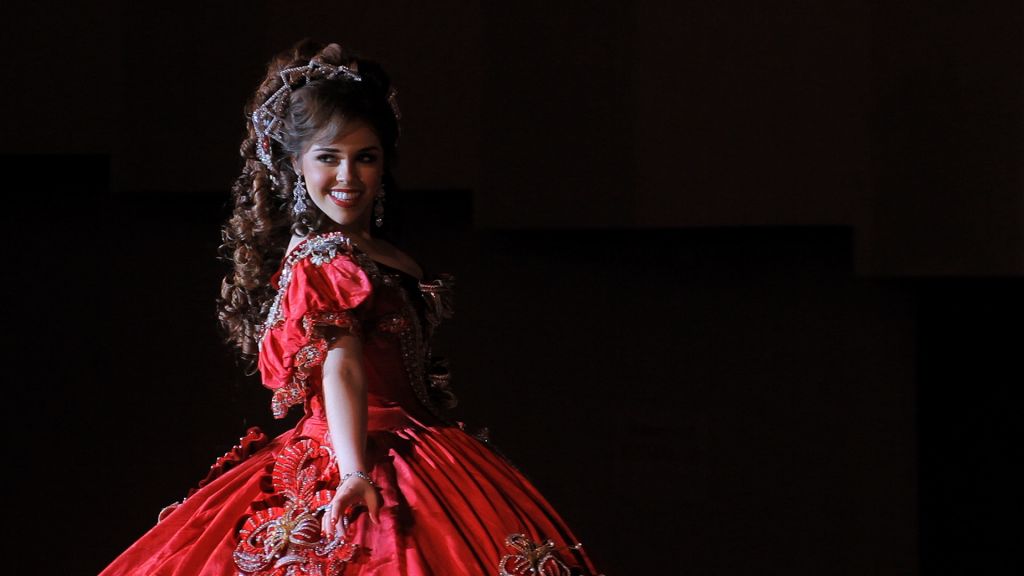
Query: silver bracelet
{"x":358,"y":474}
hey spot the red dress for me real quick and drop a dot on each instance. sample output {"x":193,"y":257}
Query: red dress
{"x":451,"y":504}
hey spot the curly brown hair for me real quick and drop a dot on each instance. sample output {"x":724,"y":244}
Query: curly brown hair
{"x":256,"y":234}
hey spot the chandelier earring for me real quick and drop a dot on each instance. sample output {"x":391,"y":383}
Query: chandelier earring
{"x":378,"y":207}
{"x":299,"y":194}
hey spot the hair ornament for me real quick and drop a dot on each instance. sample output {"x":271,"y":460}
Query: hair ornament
{"x":393,"y":101}
{"x":267,"y":119}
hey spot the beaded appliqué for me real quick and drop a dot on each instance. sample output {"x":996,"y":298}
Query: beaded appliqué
{"x":533,"y":559}
{"x":427,"y":376}
{"x":415,"y":352}
{"x":285,"y":539}
{"x":439,"y":296}
{"x":309,"y":357}
{"x":393,"y":323}
{"x":320,"y":250}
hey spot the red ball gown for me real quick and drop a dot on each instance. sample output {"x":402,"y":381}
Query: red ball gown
{"x":452,"y":505}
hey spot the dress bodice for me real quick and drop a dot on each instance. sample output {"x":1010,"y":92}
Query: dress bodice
{"x":326,"y":281}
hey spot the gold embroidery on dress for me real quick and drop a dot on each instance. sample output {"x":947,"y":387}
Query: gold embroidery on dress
{"x":320,"y":250}
{"x":286,"y":540}
{"x":428,"y":376}
{"x":533,"y":559}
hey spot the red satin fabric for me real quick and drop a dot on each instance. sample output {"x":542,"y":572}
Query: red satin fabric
{"x":450,"y":501}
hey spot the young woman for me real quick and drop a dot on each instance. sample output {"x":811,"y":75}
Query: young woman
{"x":373,"y":479}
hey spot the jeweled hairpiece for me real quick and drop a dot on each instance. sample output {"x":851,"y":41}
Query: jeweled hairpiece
{"x":268,"y":118}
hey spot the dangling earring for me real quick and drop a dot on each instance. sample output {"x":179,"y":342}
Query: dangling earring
{"x":378,"y":207}
{"x":300,"y":196}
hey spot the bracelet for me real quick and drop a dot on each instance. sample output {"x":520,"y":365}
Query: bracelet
{"x":358,"y":474}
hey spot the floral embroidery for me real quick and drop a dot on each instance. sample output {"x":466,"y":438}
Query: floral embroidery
{"x":428,"y":377}
{"x":439,"y":296}
{"x":323,"y":252}
{"x":309,"y":357}
{"x":439,"y":377}
{"x":320,"y":250}
{"x":393,"y":323}
{"x":340,"y":319}
{"x":531,"y":558}
{"x":284,"y":539}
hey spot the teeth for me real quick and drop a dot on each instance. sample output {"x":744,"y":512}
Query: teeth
{"x":347,"y":196}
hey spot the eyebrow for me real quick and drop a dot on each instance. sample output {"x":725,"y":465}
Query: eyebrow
{"x":367,"y":149}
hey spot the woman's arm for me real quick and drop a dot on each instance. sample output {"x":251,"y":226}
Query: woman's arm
{"x":344,"y":385}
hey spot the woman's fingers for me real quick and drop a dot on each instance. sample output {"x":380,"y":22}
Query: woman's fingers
{"x":325,"y":523}
{"x":333,"y":520}
{"x":333,"y":514}
{"x":373,"y":505}
{"x":339,"y":524}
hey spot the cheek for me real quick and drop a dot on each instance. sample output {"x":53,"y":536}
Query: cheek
{"x":372,"y":174}
{"x":319,"y":178}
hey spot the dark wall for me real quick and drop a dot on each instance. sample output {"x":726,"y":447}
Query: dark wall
{"x":902,"y":122}
{"x":738,"y":286}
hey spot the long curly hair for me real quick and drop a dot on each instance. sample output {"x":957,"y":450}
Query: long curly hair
{"x":262,"y":221}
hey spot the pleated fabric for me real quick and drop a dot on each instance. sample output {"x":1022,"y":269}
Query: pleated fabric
{"x":452,"y":505}
{"x":449,"y":504}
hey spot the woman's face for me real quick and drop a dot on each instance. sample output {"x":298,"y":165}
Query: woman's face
{"x":343,"y":176}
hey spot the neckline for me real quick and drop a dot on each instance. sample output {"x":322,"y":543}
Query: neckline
{"x":354,"y":248}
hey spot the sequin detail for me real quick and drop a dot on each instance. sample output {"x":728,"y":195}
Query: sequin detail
{"x":439,"y":296}
{"x":439,"y":300}
{"x":341,"y":319}
{"x":393,"y":323}
{"x":284,"y":539}
{"x":415,"y":353}
{"x":533,"y":559}
{"x":427,"y":376}
{"x":320,"y":250}
{"x":405,"y":324}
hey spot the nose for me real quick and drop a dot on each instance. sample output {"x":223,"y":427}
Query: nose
{"x":345,"y":173}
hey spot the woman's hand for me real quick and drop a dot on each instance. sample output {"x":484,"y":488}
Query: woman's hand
{"x":353,"y":491}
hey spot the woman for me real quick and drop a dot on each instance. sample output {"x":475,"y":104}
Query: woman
{"x":373,"y":479}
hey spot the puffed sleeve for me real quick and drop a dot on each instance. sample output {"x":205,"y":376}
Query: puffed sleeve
{"x":317,"y":290}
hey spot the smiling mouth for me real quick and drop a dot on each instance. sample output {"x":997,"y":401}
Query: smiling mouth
{"x":345,"y":198}
{"x":345,"y":195}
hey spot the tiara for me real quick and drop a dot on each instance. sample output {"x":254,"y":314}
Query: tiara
{"x":268,"y":118}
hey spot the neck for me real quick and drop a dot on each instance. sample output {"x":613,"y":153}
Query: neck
{"x":358,"y":232}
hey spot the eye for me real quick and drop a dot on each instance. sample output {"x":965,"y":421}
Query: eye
{"x":327,"y":158}
{"x":368,"y":158}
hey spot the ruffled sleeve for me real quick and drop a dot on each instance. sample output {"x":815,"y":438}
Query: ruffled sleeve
{"x":320,"y":285}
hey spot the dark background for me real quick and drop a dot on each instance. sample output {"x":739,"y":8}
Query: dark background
{"x":739,"y":285}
